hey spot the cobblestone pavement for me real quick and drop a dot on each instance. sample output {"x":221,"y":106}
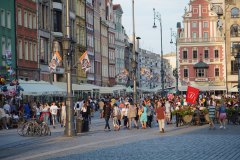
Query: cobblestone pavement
{"x":194,"y":142}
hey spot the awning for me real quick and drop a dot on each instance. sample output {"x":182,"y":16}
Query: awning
{"x":37,"y":88}
{"x":77,"y":87}
{"x":205,"y":88}
{"x":201,"y":64}
{"x":233,"y":89}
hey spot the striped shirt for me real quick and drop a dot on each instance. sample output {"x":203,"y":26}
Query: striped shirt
{"x":211,"y":110}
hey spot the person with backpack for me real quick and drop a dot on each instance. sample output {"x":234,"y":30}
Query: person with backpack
{"x":106,"y":114}
{"x":77,"y":107}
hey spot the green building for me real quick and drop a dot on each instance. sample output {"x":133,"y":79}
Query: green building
{"x":7,"y":39}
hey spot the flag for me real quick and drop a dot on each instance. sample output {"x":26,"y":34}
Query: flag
{"x":53,"y":64}
{"x":84,"y":60}
{"x":58,"y":57}
{"x":192,"y":94}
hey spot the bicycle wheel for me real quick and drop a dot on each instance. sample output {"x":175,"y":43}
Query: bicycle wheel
{"x":20,"y":129}
{"x":45,"y":130}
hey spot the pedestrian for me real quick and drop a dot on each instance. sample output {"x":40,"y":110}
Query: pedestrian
{"x":63,"y":114}
{"x":116,"y":114}
{"x":54,"y":111}
{"x":44,"y":109}
{"x":107,"y":114}
{"x":125,"y":115}
{"x":168,"y":112}
{"x":101,"y":105}
{"x":222,"y":115}
{"x":132,"y":112}
{"x":143,"y":117}
{"x":211,"y":113}
{"x":160,"y":116}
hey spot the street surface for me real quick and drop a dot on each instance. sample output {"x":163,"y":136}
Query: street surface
{"x":186,"y":142}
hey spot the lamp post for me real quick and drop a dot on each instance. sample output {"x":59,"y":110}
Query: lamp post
{"x":237,"y":58}
{"x":134,"y":58}
{"x":157,"y":16}
{"x":238,"y":63}
{"x":175,"y":71}
{"x":69,"y":130}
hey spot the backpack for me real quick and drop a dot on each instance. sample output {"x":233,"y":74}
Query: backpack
{"x":78,"y":106}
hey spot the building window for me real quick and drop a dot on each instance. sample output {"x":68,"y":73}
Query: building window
{"x":34,"y":22}
{"x":206,"y":54}
{"x":9,"y":20}
{"x":9,"y":45}
{"x":25,"y":19}
{"x":43,"y":50}
{"x":216,"y":53}
{"x":234,"y":67}
{"x":205,"y":36}
{"x":57,"y":21}
{"x":19,"y":16}
{"x":20,"y":56}
{"x":205,"y":24}
{"x":3,"y":18}
{"x":185,"y":73}
{"x":235,"y":30}
{"x":194,"y":35}
{"x":30,"y":20}
{"x":195,"y":10}
{"x":195,"y":54}
{"x":3,"y":45}
{"x":185,"y":56}
{"x":235,"y":12}
{"x":216,"y":72}
{"x":200,"y":72}
{"x":30,"y":52}
{"x":35,"y":52}
{"x":26,"y":50}
{"x":194,"y":24}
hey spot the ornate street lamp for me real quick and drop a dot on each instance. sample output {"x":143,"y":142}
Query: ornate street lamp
{"x":68,"y":47}
{"x":157,"y":16}
{"x":237,"y":58}
{"x":134,"y":65}
{"x":175,"y":71}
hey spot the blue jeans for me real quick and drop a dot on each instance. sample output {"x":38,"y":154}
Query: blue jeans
{"x":45,"y":118}
{"x":107,"y":123}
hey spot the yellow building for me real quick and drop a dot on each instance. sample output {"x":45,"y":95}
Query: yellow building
{"x":80,"y":48}
{"x":232,"y":32}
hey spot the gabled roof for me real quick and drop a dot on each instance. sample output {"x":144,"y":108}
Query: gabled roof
{"x":201,"y":64}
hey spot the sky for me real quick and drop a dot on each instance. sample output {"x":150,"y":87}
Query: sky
{"x":171,"y":12}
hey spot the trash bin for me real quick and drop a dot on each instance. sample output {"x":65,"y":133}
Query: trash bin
{"x":79,"y":125}
{"x":85,"y":125}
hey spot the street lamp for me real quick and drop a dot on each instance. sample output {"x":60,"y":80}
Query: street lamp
{"x":69,"y":129}
{"x":237,"y":58}
{"x":134,"y":58}
{"x":175,"y":71}
{"x":157,"y":16}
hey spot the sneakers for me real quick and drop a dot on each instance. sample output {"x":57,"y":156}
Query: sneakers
{"x":221,"y":127}
{"x":163,"y":130}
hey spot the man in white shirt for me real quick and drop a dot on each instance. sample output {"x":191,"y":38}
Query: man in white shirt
{"x":53,"y":111}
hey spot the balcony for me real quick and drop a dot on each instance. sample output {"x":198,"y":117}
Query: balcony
{"x":197,"y":40}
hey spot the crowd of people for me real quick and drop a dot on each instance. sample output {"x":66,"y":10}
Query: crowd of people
{"x":124,"y":112}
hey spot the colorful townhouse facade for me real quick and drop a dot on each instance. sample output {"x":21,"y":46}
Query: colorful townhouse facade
{"x":201,"y":49}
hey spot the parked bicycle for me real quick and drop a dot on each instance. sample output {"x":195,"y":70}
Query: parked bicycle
{"x":33,"y":127}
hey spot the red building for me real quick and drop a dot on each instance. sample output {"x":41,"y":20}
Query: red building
{"x":26,"y":33}
{"x":201,"y":49}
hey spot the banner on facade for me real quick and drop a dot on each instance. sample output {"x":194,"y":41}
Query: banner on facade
{"x":85,"y":62}
{"x":146,"y":72}
{"x":192,"y":94}
{"x":56,"y":59}
{"x":123,"y":75}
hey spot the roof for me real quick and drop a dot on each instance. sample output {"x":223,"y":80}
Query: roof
{"x":117,"y":6}
{"x":201,"y":64}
